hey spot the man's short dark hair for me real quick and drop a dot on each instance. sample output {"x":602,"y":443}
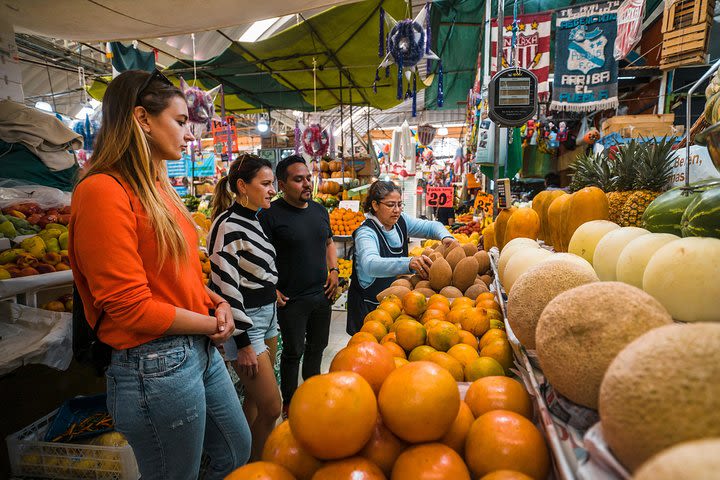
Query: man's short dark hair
{"x":283,"y":165}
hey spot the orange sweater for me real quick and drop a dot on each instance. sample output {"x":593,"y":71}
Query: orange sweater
{"x":113,"y":254}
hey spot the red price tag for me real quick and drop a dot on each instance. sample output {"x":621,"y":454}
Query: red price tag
{"x":439,"y":196}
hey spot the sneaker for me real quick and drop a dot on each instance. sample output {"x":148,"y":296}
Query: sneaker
{"x":285,"y":411}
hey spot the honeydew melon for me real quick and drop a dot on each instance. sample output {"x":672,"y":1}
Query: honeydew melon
{"x":683,"y":276}
{"x":587,"y":236}
{"x":511,"y":249}
{"x":521,"y":262}
{"x":608,"y":250}
{"x":636,"y":255}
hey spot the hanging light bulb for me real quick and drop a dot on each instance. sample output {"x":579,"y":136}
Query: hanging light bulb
{"x":262,"y":125}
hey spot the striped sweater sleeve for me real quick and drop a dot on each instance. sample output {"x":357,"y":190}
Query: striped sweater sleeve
{"x":225,"y":276}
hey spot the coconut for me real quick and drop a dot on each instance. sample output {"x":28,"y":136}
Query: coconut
{"x":581,"y":330}
{"x":536,"y":288}
{"x":697,"y":459}
{"x":661,"y":390}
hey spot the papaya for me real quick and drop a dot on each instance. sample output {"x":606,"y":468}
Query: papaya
{"x":525,"y":222}
{"x":488,"y":237}
{"x":539,"y":203}
{"x":501,"y":224}
{"x":585,"y":205}
{"x":555,"y":217}
{"x":542,"y":211}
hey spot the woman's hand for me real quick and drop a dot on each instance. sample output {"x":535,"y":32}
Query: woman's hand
{"x":225,"y":323}
{"x":281,"y":299}
{"x":421,"y":265}
{"x":247,"y":362}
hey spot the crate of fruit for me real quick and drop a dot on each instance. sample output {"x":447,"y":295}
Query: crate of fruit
{"x":105,"y":457}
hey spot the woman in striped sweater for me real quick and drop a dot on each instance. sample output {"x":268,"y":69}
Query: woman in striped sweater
{"x":244,"y":274}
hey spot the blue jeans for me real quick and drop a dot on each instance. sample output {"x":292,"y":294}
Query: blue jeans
{"x":265,"y":327}
{"x":172,"y":398}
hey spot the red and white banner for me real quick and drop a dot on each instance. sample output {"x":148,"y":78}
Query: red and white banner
{"x":629,"y":27}
{"x":532,"y":47}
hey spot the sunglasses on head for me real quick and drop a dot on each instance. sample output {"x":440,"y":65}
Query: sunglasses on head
{"x":155,"y":75}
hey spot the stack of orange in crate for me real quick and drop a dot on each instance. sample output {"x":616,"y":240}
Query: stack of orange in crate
{"x":344,"y":221}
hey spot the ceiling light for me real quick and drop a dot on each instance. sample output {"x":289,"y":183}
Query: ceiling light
{"x":44,"y":106}
{"x":257,"y":29}
{"x":262,"y":125}
{"x":442,"y":131}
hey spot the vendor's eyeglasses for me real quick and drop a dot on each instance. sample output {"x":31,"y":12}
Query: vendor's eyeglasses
{"x":393,"y":205}
{"x":155,"y":75}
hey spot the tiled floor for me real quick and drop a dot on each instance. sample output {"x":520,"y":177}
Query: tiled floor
{"x":338,"y":339}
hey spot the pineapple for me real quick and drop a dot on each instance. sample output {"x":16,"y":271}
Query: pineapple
{"x":652,"y":176}
{"x":623,"y":171}
{"x":586,"y":171}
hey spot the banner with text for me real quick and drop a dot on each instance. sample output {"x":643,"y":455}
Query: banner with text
{"x":532,"y":47}
{"x":586,"y":72}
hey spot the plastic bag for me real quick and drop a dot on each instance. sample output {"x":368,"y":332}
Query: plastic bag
{"x":13,"y":192}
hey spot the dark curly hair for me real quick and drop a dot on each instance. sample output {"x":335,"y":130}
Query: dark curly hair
{"x":377,"y":192}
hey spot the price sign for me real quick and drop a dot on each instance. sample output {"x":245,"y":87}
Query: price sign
{"x":503,"y":193}
{"x":484,"y":203}
{"x":439,"y":196}
{"x":352,"y":205}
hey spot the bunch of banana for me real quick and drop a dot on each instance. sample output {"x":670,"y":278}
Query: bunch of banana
{"x":712,"y":96}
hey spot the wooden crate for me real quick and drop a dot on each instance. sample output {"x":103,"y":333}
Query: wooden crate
{"x":686,"y":31}
{"x":635,"y":126}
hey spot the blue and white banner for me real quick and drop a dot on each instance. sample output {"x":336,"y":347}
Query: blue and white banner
{"x":586,"y":72}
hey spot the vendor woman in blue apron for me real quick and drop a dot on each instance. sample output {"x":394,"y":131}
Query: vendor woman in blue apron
{"x":381,"y":250}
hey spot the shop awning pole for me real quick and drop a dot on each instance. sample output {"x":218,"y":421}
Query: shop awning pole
{"x":499,"y":46}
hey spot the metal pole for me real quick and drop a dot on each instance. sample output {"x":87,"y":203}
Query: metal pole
{"x":498,"y":54}
{"x":688,"y":119}
{"x":342,"y":130}
{"x":226,"y":123}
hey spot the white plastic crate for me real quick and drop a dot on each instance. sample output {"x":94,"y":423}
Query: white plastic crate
{"x":31,"y":456}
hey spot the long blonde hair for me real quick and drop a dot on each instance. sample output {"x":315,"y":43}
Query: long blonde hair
{"x":121,"y":148}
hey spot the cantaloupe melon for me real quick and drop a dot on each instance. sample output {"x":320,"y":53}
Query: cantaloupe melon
{"x":440,"y":274}
{"x":683,"y":276}
{"x":661,"y":390}
{"x":454,"y":256}
{"x":451,"y":292}
{"x":572,"y":258}
{"x":465,"y":273}
{"x":581,"y":330}
{"x":511,"y":249}
{"x":536,"y":288}
{"x":696,"y":459}
{"x":636,"y":255}
{"x":400,"y":292}
{"x":587,"y":235}
{"x":608,"y":250}
{"x":519,"y":264}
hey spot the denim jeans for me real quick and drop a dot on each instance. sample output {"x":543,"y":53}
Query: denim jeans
{"x":172,"y":398}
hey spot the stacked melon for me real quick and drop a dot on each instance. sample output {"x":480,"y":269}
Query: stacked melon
{"x":455,"y":272}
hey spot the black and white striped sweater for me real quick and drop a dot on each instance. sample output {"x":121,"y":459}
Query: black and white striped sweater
{"x":243,"y":265}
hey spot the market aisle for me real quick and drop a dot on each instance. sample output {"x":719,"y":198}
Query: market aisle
{"x":338,"y":339}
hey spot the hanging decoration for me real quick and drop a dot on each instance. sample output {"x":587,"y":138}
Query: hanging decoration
{"x":406,"y":44}
{"x":297,"y":137}
{"x":586,"y":72}
{"x":201,"y":107}
{"x":531,"y":50}
{"x":315,"y":141}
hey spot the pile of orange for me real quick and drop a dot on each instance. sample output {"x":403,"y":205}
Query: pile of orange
{"x":344,"y":222}
{"x":386,"y":412}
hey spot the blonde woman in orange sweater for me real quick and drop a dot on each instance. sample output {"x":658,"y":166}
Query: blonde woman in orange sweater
{"x":133,"y":253}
